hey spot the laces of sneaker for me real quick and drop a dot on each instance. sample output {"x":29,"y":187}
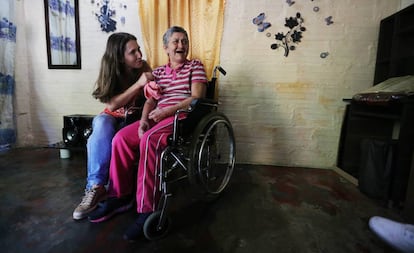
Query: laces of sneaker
{"x":88,"y":197}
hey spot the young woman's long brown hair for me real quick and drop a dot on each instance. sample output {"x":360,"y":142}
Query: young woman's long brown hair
{"x":113,"y":79}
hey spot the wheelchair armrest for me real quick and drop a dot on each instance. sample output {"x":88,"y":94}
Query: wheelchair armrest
{"x":175,"y":125}
{"x":197,"y":109}
{"x":206,"y":102}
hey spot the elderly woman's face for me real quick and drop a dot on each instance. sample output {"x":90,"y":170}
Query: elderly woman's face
{"x":177,"y":48}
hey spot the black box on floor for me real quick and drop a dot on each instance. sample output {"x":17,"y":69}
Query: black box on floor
{"x":76,"y":130}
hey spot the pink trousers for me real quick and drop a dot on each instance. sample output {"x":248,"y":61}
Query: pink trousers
{"x":127,"y":148}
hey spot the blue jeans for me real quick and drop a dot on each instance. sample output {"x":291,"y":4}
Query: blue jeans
{"x":104,"y":127}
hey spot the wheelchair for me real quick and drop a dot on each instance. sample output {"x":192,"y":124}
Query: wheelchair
{"x":201,"y":150}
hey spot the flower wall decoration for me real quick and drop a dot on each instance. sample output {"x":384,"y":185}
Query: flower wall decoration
{"x":106,"y":14}
{"x":289,"y":40}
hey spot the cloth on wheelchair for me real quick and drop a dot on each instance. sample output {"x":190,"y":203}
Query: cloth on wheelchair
{"x":152,"y":90}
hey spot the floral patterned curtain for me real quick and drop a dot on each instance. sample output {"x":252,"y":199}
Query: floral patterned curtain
{"x":7,"y":56}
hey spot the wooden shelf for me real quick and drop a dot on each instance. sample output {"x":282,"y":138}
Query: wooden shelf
{"x":390,"y":124}
{"x":395,"y":55}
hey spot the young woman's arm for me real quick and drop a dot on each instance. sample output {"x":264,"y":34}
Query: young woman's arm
{"x":131,"y":93}
{"x":198,"y":90}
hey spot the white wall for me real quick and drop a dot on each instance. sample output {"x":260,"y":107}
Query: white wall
{"x":44,"y":96}
{"x":284,"y":110}
{"x":405,"y":3}
{"x":289,"y":110}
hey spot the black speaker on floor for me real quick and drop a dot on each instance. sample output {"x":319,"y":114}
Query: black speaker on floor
{"x":76,"y":130}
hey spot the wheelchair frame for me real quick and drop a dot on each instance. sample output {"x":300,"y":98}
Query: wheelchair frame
{"x":193,"y":156}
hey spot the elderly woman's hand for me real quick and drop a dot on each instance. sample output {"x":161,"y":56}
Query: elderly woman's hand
{"x":158,"y":114}
{"x":143,"y":127}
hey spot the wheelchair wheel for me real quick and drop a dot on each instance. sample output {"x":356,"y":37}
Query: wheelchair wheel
{"x":212,"y":153}
{"x":151,"y":229}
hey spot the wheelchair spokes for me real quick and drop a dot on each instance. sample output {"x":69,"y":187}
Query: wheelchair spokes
{"x":213,"y":154}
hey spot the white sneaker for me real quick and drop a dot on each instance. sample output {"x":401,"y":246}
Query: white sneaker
{"x":398,"y":235}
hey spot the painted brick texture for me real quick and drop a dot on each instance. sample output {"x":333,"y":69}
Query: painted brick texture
{"x":284,"y":110}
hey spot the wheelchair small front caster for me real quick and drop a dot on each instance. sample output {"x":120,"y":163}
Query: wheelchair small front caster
{"x":153,"y":230}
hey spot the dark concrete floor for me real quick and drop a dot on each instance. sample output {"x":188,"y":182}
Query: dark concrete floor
{"x":264,"y":209}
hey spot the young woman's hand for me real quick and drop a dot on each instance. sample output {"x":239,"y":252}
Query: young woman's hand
{"x":144,"y":79}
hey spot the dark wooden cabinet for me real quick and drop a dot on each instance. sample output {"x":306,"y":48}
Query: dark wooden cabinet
{"x":409,"y":198}
{"x":391,"y":122}
{"x":395,"y":53}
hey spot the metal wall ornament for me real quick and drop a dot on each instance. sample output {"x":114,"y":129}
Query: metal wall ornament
{"x":108,"y":24}
{"x":323,"y":55}
{"x":106,"y":14}
{"x":290,"y":2}
{"x":259,"y":21}
{"x":291,"y":38}
{"x":328,"y":20}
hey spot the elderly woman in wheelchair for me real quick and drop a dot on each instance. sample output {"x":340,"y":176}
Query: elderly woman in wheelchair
{"x":179,"y":130}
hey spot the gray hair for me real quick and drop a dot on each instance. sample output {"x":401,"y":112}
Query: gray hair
{"x":170,"y":31}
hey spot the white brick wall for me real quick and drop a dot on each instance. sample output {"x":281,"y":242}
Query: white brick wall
{"x":289,"y":110}
{"x":284,"y":110}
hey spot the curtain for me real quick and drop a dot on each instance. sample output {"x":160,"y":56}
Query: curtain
{"x":7,"y":55}
{"x":202,"y":19}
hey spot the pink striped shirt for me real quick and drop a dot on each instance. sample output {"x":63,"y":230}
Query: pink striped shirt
{"x":175,"y":84}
